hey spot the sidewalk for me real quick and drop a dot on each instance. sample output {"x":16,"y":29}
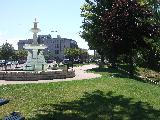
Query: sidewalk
{"x":80,"y":72}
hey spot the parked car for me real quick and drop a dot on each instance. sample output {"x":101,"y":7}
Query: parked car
{"x":21,"y":61}
{"x":15,"y":62}
{"x":66,"y":61}
{"x":76,"y":61}
{"x":9,"y":63}
{"x":2,"y":62}
{"x":98,"y":61}
{"x":49,"y":61}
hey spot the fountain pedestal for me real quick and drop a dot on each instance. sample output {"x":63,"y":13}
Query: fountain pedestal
{"x":35,"y":58}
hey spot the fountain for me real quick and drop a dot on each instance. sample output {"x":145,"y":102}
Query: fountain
{"x":35,"y":58}
{"x":36,"y":68}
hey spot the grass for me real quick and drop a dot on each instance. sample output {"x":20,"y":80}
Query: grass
{"x":114,"y":96}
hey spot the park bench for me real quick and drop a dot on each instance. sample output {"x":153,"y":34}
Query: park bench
{"x":13,"y":115}
{"x":3,"y":101}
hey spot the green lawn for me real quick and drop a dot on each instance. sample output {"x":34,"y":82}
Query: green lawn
{"x":112,"y":97}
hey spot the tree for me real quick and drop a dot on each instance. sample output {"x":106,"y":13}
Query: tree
{"x":22,"y":54}
{"x":15,"y":57}
{"x":83,"y":55}
{"x":7,"y":51}
{"x":126,"y":25}
{"x":121,"y":27}
{"x":92,"y":12}
{"x":152,"y":55}
{"x":49,"y":55}
{"x":72,"y":52}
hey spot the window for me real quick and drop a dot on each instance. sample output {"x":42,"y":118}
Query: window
{"x":57,"y":45}
{"x":56,"y":51}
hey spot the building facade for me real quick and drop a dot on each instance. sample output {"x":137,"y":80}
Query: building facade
{"x":55,"y":46}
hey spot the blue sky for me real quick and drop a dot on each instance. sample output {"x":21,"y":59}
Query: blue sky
{"x":17,"y":18}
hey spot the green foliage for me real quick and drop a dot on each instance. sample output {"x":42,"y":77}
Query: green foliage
{"x":117,"y":27}
{"x":22,"y":54}
{"x":92,"y":13}
{"x":49,"y":55}
{"x":126,"y":25}
{"x":73,"y":52}
{"x":7,"y":51}
{"x":152,"y":55}
{"x":15,"y":56}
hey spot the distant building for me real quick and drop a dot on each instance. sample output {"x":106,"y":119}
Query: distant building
{"x":55,"y":46}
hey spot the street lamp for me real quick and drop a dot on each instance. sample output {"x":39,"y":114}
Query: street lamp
{"x":54,"y":31}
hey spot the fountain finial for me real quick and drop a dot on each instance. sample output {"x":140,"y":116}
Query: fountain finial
{"x":35,"y":23}
{"x":35,"y":29}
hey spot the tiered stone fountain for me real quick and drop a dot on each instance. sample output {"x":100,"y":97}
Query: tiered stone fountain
{"x":35,"y":58}
{"x":36,"y":68}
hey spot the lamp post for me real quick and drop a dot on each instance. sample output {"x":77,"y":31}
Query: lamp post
{"x":54,"y":31}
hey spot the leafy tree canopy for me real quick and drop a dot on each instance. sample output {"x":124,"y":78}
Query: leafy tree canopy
{"x":7,"y":51}
{"x":92,"y":12}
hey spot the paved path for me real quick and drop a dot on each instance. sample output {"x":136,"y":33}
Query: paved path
{"x":79,"y":71}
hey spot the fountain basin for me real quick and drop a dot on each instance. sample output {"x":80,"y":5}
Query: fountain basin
{"x":35,"y":47}
{"x":35,"y":76}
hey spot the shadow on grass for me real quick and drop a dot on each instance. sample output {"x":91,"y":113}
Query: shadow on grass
{"x":98,"y":106}
{"x":110,"y":70}
{"x":114,"y":72}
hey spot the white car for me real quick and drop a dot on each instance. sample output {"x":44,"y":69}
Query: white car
{"x":66,"y":61}
{"x":9,"y":63}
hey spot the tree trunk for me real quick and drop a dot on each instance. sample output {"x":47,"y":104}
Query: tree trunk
{"x":72,"y":62}
{"x":113,"y":60}
{"x":5,"y":66}
{"x":102,"y":58}
{"x":101,"y":64}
